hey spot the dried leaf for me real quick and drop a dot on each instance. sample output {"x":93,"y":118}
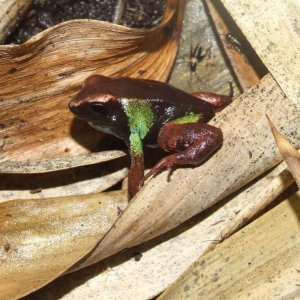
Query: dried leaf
{"x":59,"y":163}
{"x":211,"y":72}
{"x":245,"y":72}
{"x":39,"y":240}
{"x":82,"y":187}
{"x":258,"y":262}
{"x":166,"y":258}
{"x":10,"y":13}
{"x":288,"y":152}
{"x":268,"y":25}
{"x":39,"y":77}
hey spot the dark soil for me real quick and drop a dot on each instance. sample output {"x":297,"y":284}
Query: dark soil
{"x":46,"y":13}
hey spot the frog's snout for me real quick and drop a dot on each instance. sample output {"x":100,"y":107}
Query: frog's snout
{"x":73,"y":107}
{"x":83,"y":110}
{"x":78,"y":109}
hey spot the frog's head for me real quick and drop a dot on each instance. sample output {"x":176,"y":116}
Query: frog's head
{"x":98,"y":105}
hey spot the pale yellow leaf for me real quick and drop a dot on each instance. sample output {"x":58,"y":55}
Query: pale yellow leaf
{"x":41,"y":239}
{"x":259,"y":262}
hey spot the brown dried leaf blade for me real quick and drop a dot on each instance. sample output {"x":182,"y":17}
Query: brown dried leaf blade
{"x":245,"y":72}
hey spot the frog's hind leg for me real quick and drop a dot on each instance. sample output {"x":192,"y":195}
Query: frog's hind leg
{"x":192,"y":142}
{"x":216,"y":100}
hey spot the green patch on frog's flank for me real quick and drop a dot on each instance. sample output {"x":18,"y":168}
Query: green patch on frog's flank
{"x":140,"y":120}
{"x":188,"y":118}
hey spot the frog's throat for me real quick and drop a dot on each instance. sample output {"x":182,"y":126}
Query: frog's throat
{"x":104,"y":129}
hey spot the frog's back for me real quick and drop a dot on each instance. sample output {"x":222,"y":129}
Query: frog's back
{"x":167,"y":101}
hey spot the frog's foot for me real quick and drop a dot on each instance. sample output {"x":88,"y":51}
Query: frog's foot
{"x":193,"y":142}
{"x":165,"y":163}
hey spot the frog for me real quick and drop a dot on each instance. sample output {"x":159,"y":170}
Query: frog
{"x":148,"y":112}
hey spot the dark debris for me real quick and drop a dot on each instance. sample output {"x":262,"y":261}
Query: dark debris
{"x":46,"y":13}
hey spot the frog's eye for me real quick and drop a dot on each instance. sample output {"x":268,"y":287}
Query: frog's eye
{"x":98,"y":108}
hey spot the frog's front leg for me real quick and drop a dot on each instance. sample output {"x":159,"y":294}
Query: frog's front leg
{"x":136,"y":171}
{"x":193,"y":142}
{"x":135,"y":175}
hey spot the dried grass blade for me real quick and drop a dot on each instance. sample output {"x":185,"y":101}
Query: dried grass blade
{"x":241,"y":267}
{"x":59,"y":163}
{"x":82,"y":187}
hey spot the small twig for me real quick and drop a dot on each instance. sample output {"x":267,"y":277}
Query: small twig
{"x":119,"y":11}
